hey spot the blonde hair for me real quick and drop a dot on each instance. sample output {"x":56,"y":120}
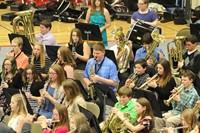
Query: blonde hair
{"x":42,"y":55}
{"x":18,"y":41}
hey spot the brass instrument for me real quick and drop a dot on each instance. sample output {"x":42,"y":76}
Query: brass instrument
{"x":196,"y":109}
{"x":180,"y":89}
{"x":25,"y":18}
{"x":175,"y":53}
{"x":145,"y":86}
{"x":157,"y":38}
{"x":91,"y":88}
{"x":132,"y":77}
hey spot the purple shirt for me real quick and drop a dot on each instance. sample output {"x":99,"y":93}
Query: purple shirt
{"x":149,"y":17}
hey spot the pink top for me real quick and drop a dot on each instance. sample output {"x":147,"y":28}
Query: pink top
{"x":63,"y":129}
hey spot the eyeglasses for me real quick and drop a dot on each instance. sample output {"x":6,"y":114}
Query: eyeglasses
{"x":140,"y":4}
{"x":55,"y":115}
{"x":7,"y":64}
{"x":51,"y":73}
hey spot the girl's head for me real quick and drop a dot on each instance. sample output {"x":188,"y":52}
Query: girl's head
{"x":77,"y":119}
{"x":9,"y":65}
{"x":125,"y":94}
{"x":119,"y":36}
{"x":143,"y":108}
{"x":38,"y":49}
{"x":17,"y":104}
{"x":65,"y":56}
{"x":76,"y":36}
{"x":71,"y":90}
{"x":60,"y":113}
{"x":99,"y":5}
{"x":83,"y":128}
{"x":56,"y":73}
{"x":30,"y":74}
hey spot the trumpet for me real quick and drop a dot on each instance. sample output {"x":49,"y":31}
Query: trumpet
{"x":180,"y":89}
{"x":132,"y":78}
{"x":145,"y":86}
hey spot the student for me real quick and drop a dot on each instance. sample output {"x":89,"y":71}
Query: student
{"x":18,"y":112}
{"x":40,"y":60}
{"x":104,"y":69}
{"x":100,"y":16}
{"x":145,"y":119}
{"x":32,"y":85}
{"x":186,"y":98}
{"x":45,"y":36}
{"x":144,"y":14}
{"x":21,"y":58}
{"x":60,"y":121}
{"x":66,"y":61}
{"x":76,"y":119}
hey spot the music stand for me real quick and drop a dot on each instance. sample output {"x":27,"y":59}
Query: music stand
{"x":52,"y":52}
{"x":27,"y":49}
{"x":8,"y":92}
{"x":195,"y":30}
{"x":89,"y":31}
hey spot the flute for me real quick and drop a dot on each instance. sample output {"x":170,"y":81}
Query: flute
{"x":175,"y":128}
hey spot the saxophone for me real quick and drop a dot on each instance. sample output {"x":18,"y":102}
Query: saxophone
{"x":91,"y":89}
{"x":25,"y":18}
{"x":157,"y":38}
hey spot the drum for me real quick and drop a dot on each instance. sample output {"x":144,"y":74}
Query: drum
{"x":137,"y":30}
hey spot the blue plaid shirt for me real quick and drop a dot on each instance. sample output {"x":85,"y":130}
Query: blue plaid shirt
{"x":188,"y":100}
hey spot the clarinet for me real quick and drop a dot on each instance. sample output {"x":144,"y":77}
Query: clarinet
{"x":3,"y":80}
{"x":41,"y":105}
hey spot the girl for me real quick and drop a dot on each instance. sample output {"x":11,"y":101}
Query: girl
{"x":77,"y":119}
{"x":144,"y":121}
{"x":18,"y":112}
{"x":32,"y":85}
{"x":100,"y":16}
{"x":60,"y":121}
{"x":53,"y":90}
{"x":65,"y":60}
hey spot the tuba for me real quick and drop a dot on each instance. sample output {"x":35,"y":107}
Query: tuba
{"x":157,"y":38}
{"x":175,"y":53}
{"x":24,"y":18}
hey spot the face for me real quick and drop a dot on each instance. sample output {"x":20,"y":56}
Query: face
{"x":75,"y":37}
{"x":141,"y":5}
{"x":16,"y":48}
{"x":190,"y":46}
{"x":160,"y":69}
{"x":139,"y":108}
{"x":7,"y":65}
{"x":146,"y":46}
{"x":43,"y":29}
{"x":124,"y":99}
{"x":184,"y":122}
{"x":186,"y":81}
{"x":55,"y":116}
{"x":29,"y":75}
{"x":52,"y":75}
{"x":139,"y":69}
{"x":97,"y":3}
{"x":13,"y":104}
{"x":37,"y":50}
{"x":116,"y":40}
{"x":98,"y":55}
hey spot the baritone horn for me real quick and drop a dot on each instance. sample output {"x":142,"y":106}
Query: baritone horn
{"x":180,"y":89}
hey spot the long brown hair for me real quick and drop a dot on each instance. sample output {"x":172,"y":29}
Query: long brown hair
{"x":35,"y":74}
{"x":93,"y":7}
{"x":73,"y":89}
{"x":167,"y":74}
{"x":66,"y":56}
{"x":63,"y":116}
{"x":79,"y":34}
{"x":60,"y":74}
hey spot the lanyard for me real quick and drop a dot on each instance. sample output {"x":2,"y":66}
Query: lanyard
{"x":99,"y":66}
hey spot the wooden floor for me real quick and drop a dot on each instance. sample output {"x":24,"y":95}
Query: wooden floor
{"x":62,"y":30}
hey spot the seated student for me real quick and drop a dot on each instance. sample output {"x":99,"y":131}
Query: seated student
{"x":21,"y":58}
{"x":142,"y":52}
{"x":76,"y":119}
{"x":60,"y":121}
{"x":101,"y":69}
{"x":189,"y":120}
{"x":83,"y":128}
{"x":18,"y":112}
{"x":145,"y":120}
{"x":186,"y":98}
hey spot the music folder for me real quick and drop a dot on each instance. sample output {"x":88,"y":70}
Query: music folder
{"x":89,"y":31}
{"x":8,"y":92}
{"x":52,"y":52}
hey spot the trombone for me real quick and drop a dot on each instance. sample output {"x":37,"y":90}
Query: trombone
{"x":145,"y":86}
{"x":180,"y":89}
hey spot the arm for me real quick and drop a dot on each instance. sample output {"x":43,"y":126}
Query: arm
{"x":131,"y":56}
{"x":87,"y":19}
{"x":86,"y":53}
{"x":20,"y":123}
{"x":69,"y":70}
{"x":154,"y":23}
{"x":108,"y":21}
{"x":105,"y":80}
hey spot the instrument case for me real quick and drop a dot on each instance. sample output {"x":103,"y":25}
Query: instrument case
{"x":8,"y":16}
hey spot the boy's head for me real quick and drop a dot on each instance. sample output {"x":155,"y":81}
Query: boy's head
{"x":17,"y":44}
{"x":147,"y":40}
{"x":98,"y":51}
{"x":187,"y":78}
{"x":191,"y":42}
{"x":140,"y":66}
{"x":125,"y":94}
{"x":45,"y":26}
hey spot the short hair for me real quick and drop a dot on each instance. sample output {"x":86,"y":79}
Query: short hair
{"x":147,"y":39}
{"x":189,"y":74}
{"x":146,"y":2}
{"x":191,"y":38}
{"x":46,"y":23}
{"x":99,"y":46}
{"x":18,"y":41}
{"x":124,"y":90}
{"x":142,"y":62}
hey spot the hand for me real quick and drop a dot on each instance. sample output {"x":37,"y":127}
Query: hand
{"x":101,"y":29}
{"x":46,"y":94}
{"x":75,"y":54}
{"x":94,"y":78}
{"x":10,"y":54}
{"x":152,"y":84}
{"x":180,"y":64}
{"x":198,"y":104}
{"x":29,"y":118}
{"x":120,"y":115}
{"x":174,"y":90}
{"x":114,"y":110}
{"x":129,"y":44}
{"x":40,"y":100}
{"x":169,"y":129}
{"x":28,"y":95}
{"x":44,"y":123}
{"x":4,"y":85}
